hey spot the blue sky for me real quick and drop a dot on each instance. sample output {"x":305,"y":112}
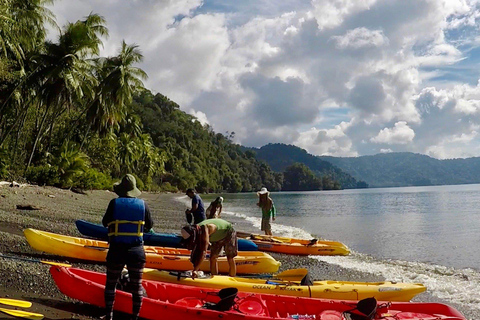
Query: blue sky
{"x":336,"y":77}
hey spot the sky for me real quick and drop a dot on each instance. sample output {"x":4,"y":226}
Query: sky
{"x":335,"y":77}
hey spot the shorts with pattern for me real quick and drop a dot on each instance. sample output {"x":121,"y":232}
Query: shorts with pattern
{"x":229,"y":243}
{"x":266,"y":226}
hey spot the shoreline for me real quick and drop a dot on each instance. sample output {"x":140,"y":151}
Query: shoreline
{"x":58,"y":211}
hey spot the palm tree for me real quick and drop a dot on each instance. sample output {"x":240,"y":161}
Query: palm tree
{"x":64,"y":77}
{"x":118,"y":81}
{"x":22,"y":32}
{"x":71,"y":163}
{"x":22,"y":26}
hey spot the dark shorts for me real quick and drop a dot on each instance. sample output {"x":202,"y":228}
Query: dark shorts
{"x":122,"y":254}
{"x":229,"y":244}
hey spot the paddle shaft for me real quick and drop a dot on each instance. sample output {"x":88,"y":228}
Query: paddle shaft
{"x":35,"y":260}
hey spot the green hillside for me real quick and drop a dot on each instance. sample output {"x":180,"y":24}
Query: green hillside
{"x":408,"y":169}
{"x":280,"y":156}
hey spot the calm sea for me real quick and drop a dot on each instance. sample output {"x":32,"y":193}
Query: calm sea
{"x":414,"y":234}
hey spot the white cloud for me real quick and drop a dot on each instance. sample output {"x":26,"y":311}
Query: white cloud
{"x":333,"y":142}
{"x":361,"y":37}
{"x":401,"y":133}
{"x":271,"y":71}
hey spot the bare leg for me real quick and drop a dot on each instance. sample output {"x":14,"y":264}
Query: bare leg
{"x":213,"y":265}
{"x":232,"y":267}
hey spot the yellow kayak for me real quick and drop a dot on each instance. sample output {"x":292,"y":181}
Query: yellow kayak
{"x":327,"y":289}
{"x":157,"y":257}
{"x":296,"y":246}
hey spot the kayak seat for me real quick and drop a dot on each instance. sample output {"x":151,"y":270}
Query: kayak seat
{"x":365,"y":310}
{"x":227,"y":300}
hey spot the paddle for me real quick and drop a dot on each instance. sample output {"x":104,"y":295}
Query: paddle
{"x":291,"y":274}
{"x":287,"y":275}
{"x":23,"y":314}
{"x":16,"y":303}
{"x":36,"y":260}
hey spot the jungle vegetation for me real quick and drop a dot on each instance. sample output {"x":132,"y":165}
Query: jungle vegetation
{"x":72,"y":118}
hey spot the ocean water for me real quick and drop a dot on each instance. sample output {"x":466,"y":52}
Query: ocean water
{"x":414,"y":234}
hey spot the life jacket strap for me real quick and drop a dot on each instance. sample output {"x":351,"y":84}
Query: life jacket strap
{"x":115,"y":232}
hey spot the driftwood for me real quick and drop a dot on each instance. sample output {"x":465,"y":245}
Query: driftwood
{"x":27,"y":207}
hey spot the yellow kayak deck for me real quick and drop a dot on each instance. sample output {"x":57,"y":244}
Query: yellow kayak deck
{"x":342,"y":290}
{"x":247,"y":262}
{"x":296,"y":246}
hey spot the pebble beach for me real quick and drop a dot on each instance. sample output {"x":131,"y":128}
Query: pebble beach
{"x":55,"y":210}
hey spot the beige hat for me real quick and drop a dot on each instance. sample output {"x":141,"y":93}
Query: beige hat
{"x":263,"y":191}
{"x":127,"y":187}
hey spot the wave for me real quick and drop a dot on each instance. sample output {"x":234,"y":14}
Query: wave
{"x":446,"y":283}
{"x":458,"y":286}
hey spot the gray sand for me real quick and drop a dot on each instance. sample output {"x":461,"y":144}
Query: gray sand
{"x":58,"y":211}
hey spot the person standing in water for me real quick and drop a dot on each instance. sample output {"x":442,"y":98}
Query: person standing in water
{"x":126,"y":218}
{"x":268,"y":210}
{"x":197,"y":212}
{"x":214,"y":210}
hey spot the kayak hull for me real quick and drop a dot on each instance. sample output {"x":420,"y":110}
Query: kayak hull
{"x":169,"y":240}
{"x":297,"y":246}
{"x":247,"y":262}
{"x":342,"y":290}
{"x":172,"y":301}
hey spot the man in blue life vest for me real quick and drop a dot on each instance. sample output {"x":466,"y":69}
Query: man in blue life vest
{"x":126,"y":218}
{"x":197,"y":210}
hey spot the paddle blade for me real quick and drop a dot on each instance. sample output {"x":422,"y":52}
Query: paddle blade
{"x":292,"y":274}
{"x":16,"y":303}
{"x":23,"y":314}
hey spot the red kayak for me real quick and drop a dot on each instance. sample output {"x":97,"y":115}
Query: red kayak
{"x":173,"y":301}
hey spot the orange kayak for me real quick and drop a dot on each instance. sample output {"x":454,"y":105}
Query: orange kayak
{"x":296,"y":246}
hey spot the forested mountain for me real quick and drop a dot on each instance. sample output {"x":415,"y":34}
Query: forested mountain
{"x":280,"y":156}
{"x":197,"y":156}
{"x":408,"y":169}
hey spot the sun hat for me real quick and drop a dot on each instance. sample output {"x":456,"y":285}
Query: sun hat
{"x":127,"y":187}
{"x":263,"y":191}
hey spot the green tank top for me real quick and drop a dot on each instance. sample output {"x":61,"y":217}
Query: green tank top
{"x":223,"y":227}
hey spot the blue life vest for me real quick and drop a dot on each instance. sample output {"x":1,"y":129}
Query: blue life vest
{"x":128,"y":223}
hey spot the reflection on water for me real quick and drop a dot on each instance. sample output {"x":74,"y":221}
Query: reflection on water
{"x":437,"y":225}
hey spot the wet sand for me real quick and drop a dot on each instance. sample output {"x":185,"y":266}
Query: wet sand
{"x":58,"y":211}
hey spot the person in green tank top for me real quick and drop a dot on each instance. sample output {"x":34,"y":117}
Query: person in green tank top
{"x":219,"y":234}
